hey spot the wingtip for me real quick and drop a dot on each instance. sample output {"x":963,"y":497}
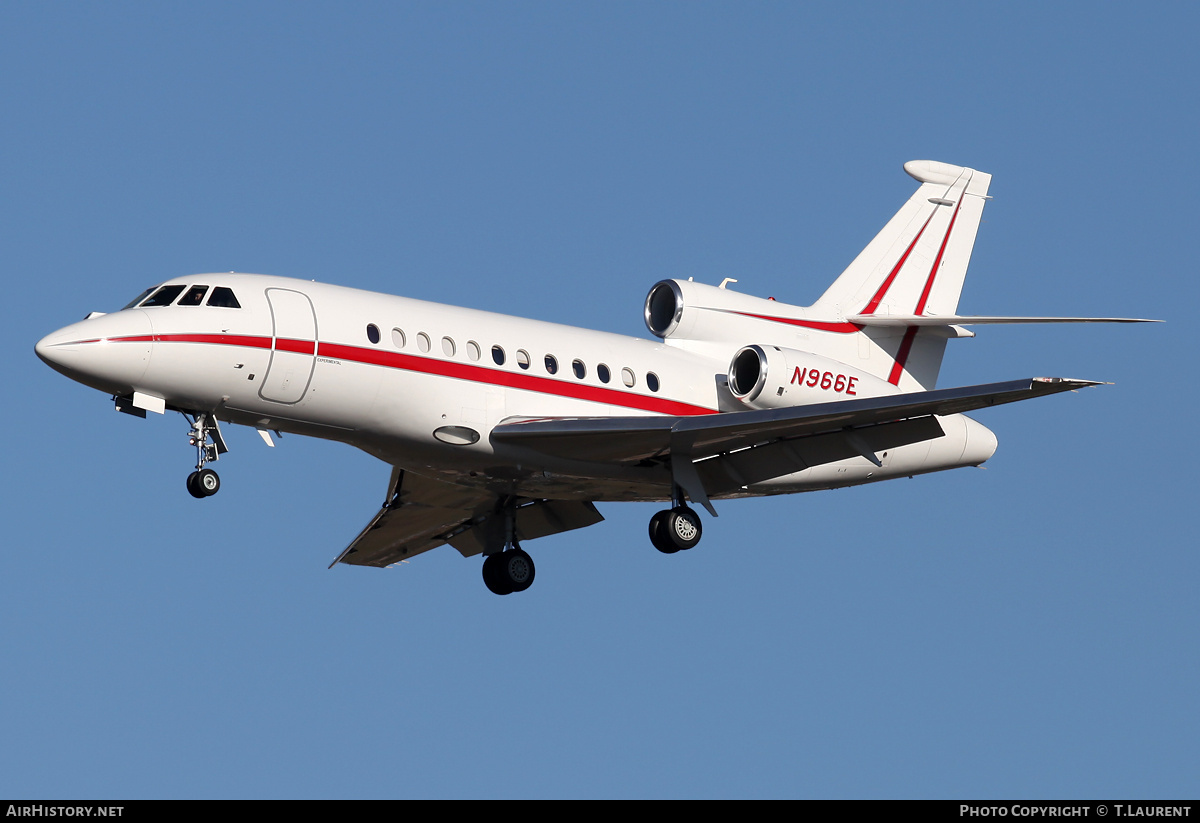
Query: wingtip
{"x":1070,"y":383}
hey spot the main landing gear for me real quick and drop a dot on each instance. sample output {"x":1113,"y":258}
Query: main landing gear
{"x":205,"y":482}
{"x":507,"y":568}
{"x":677,"y":528}
{"x":508,"y":571}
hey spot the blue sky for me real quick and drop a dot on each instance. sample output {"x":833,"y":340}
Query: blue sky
{"x":1029,"y":630}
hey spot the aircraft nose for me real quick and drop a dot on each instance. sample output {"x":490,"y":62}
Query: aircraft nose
{"x":45,"y":348}
{"x":55,"y":349}
{"x":109,"y":352}
{"x":58,"y":349}
{"x":981,"y":443}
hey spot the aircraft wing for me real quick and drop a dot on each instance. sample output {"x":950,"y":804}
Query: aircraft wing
{"x":724,"y":451}
{"x":727,"y":451}
{"x":423,"y":513}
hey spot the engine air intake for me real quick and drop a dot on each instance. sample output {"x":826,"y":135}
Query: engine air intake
{"x":664,"y":307}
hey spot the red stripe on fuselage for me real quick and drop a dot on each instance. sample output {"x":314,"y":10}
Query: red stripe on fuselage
{"x":217,"y":339}
{"x":872,"y":304}
{"x":938,"y":260}
{"x":512,"y":380}
{"x":911,"y":332}
{"x":819,"y":325}
{"x":298,"y":346}
{"x":902,"y":355}
{"x":441,"y":368}
{"x":141,"y":338}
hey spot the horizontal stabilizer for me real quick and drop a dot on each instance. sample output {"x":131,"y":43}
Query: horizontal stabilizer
{"x":905,"y":320}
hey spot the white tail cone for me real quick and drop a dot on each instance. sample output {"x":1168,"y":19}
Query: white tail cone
{"x":981,"y":443}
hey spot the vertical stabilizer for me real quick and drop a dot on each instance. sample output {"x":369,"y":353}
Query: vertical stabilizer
{"x":915,"y":266}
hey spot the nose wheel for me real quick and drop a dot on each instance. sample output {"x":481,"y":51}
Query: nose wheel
{"x":205,"y":482}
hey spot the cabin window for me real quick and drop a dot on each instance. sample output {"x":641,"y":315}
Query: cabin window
{"x":194,"y":296}
{"x":164,"y":296}
{"x":398,"y":338}
{"x":423,"y":342}
{"x":603,"y":373}
{"x":627,"y":377}
{"x":138,"y":299}
{"x":372,"y":332}
{"x":523,"y":358}
{"x":222,"y":298}
{"x":448,"y":347}
{"x":551,"y":364}
{"x":498,"y":355}
{"x":579,"y":369}
{"x":652,"y":381}
{"x":472,"y":350}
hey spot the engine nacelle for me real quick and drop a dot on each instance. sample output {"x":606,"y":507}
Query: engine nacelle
{"x":770,"y":377}
{"x":664,"y":308}
{"x":686,"y":310}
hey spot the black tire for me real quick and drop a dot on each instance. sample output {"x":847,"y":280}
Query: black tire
{"x":193,"y":489}
{"x":518,"y":569}
{"x":683,"y":527}
{"x":493,"y":577}
{"x":658,"y":533}
{"x":207,"y":482}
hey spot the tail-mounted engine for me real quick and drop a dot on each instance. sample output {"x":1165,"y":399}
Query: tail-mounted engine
{"x":686,"y":310}
{"x":770,"y":377}
{"x":664,"y":308}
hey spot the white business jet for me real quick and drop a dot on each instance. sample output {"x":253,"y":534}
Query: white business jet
{"x":501,"y":430}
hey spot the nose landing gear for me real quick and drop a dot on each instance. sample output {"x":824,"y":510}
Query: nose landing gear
{"x":205,"y":482}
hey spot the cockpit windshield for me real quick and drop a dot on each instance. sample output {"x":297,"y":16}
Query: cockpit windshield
{"x":194,"y":296}
{"x":137,"y":299}
{"x":221,"y":297}
{"x":163,"y":297}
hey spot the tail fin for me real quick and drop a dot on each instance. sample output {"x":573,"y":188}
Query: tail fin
{"x":915,"y":266}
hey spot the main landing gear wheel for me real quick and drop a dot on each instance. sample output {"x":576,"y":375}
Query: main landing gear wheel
{"x":203,"y":483}
{"x":676,"y":529}
{"x":508,"y":572}
{"x":658,"y":533}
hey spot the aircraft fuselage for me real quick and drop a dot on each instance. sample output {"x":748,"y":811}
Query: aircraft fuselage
{"x":421,"y":385}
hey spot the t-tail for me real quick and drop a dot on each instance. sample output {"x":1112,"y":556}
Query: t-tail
{"x":887,"y":317}
{"x":916,"y":266}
